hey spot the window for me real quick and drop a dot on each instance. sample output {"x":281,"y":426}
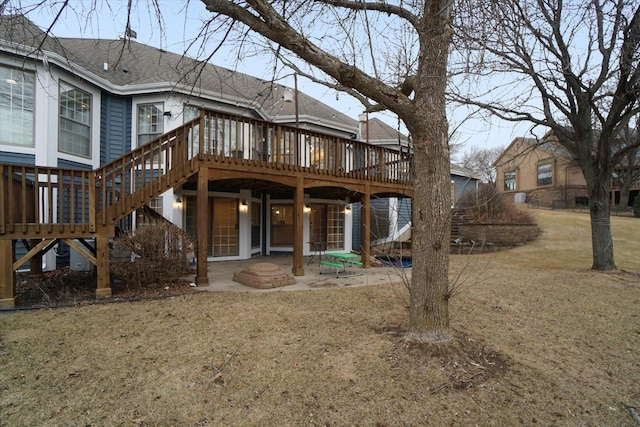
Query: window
{"x":150,"y":122}
{"x":335,"y":227}
{"x":326,"y":225}
{"x":156,"y":205}
{"x":545,"y":174}
{"x":281,"y":225}
{"x":74,"y":135}
{"x":510,"y":181}
{"x":16,"y":106}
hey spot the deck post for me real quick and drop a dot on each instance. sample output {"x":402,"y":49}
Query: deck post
{"x":202,"y":225}
{"x":103,"y":288}
{"x":7,"y":275}
{"x":298,"y":229}
{"x":365,"y":229}
{"x":36,"y":262}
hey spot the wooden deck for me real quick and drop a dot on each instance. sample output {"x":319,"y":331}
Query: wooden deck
{"x":41,"y":206}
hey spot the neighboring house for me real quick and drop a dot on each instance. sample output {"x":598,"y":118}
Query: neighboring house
{"x":540,"y":173}
{"x":94,"y":130}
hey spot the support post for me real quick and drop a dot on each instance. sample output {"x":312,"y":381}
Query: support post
{"x":35,"y":263}
{"x":103,"y":288}
{"x":365,"y":229}
{"x":298,"y":228}
{"x":202,"y":221}
{"x":7,"y":275}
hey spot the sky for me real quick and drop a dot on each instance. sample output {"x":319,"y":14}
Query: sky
{"x":181,"y":22}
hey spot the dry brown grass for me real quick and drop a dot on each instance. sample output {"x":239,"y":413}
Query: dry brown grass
{"x":543,"y":341}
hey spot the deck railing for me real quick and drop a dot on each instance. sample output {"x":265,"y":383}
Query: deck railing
{"x":232,"y":139}
{"x":38,"y":199}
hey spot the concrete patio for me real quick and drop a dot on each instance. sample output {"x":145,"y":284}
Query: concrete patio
{"x":221,"y":275}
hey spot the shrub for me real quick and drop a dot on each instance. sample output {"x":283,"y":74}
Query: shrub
{"x":636,"y":206}
{"x":156,"y":254}
{"x":488,"y":206}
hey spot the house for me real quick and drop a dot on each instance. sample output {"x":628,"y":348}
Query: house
{"x":541,"y":173}
{"x":93,"y":130}
{"x":391,"y":216}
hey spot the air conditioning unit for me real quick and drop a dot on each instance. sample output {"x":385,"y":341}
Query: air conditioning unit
{"x":77,"y":262}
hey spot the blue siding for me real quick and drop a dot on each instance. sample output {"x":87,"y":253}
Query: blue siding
{"x":463,"y":184}
{"x":356,"y":212}
{"x":68,"y":164}
{"x":19,"y":158}
{"x":379,"y":207}
{"x":115,"y":127}
{"x":404,"y":212}
{"x":404,"y":208}
{"x":379,"y":218}
{"x":63,"y":251}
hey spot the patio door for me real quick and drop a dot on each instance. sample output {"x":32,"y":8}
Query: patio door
{"x":224,"y":227}
{"x":318,"y":226}
{"x":326,"y":225}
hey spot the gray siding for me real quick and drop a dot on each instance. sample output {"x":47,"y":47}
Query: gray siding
{"x":18,"y":158}
{"x":115,"y":127}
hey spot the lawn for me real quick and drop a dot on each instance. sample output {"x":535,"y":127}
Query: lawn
{"x":542,"y":340}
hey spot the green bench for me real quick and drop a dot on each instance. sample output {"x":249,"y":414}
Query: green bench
{"x":338,"y":266}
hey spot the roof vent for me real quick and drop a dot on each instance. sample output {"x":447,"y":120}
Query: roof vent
{"x":130,"y":34}
{"x":288,"y":95}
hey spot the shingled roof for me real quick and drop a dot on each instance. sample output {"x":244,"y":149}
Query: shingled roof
{"x":381,"y":133}
{"x":130,"y":67}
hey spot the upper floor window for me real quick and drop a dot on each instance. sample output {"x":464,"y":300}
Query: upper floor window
{"x":510,"y":181}
{"x":545,"y":174}
{"x":150,"y":122}
{"x":16,"y":106}
{"x":74,"y":135}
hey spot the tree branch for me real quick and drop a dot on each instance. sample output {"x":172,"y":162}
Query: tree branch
{"x":271,"y":24}
{"x":383,"y":7}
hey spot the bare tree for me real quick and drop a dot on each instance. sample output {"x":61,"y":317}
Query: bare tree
{"x":568,"y":66}
{"x":627,"y":170}
{"x":349,"y":42}
{"x":389,"y":56}
{"x":480,"y":161}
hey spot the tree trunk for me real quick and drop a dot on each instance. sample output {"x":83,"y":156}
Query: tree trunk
{"x":627,"y":179}
{"x":601,"y":238}
{"x":624,"y":196}
{"x":431,"y":206}
{"x":430,"y":235}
